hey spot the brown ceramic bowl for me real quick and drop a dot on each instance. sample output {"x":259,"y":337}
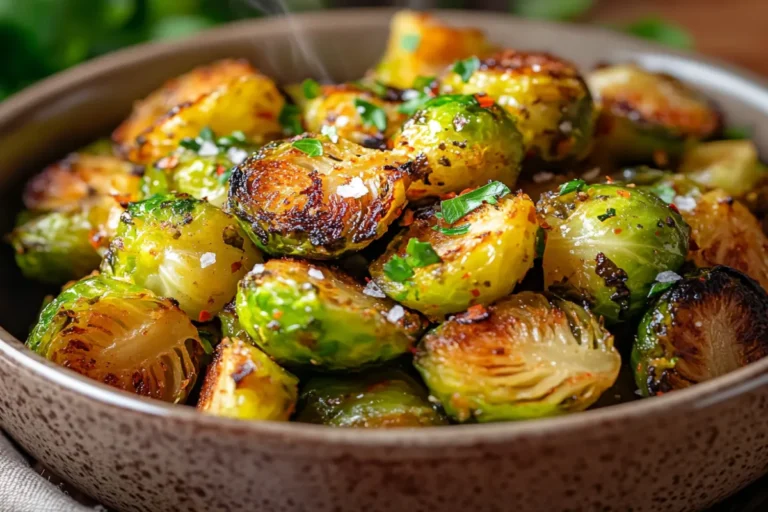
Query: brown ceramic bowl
{"x":682,"y":451}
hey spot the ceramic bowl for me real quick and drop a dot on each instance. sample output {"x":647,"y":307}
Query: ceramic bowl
{"x":682,"y":451}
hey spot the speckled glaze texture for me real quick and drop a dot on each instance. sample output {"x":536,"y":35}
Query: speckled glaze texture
{"x":679,"y":452}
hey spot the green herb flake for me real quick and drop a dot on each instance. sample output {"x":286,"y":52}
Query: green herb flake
{"x":206,"y":134}
{"x":223,"y":178}
{"x":423,"y":82}
{"x":397,"y":269}
{"x":310,"y":88}
{"x":610,"y":212}
{"x":541,"y":242}
{"x":466,"y":68}
{"x":737,"y":133}
{"x":572,"y":186}
{"x":661,"y":31}
{"x":459,"y":206}
{"x":551,"y":9}
{"x":659,"y":288}
{"x":411,"y":106}
{"x":664,"y":192}
{"x":410,"y":42}
{"x":190,"y":144}
{"x":454,"y":231}
{"x":371,"y":114}
{"x":330,"y":132}
{"x":290,"y":120}
{"x":310,"y":147}
{"x":420,"y":254}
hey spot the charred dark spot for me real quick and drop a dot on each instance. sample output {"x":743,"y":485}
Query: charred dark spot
{"x":444,"y":161}
{"x":243,"y":371}
{"x":614,"y":277}
{"x":232,"y":237}
{"x":126,"y":218}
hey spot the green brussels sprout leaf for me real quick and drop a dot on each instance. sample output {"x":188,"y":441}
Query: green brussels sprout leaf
{"x":311,"y":147}
{"x":459,"y":206}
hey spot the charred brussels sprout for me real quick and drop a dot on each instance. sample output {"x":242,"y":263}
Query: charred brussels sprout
{"x":183,"y":248}
{"x":647,"y":116}
{"x":244,"y":383}
{"x":92,"y":326}
{"x":711,"y":323}
{"x":606,"y":244}
{"x":724,"y":232}
{"x":524,"y":357}
{"x":303,"y":314}
{"x":352,"y":113}
{"x":201,"y":167}
{"x":439,"y":268}
{"x":464,"y":142}
{"x":250,"y":103}
{"x":419,"y":45}
{"x":730,"y":165}
{"x":318,"y":199}
{"x":381,"y":399}
{"x":547,"y":96}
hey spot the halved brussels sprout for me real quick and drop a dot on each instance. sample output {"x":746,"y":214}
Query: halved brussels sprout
{"x":122,"y":335}
{"x":730,"y":165}
{"x":230,"y":324}
{"x":439,"y":268}
{"x":379,"y":399}
{"x":201,"y":169}
{"x":54,"y":247}
{"x":354,"y":113}
{"x":419,"y":45}
{"x":318,"y":199}
{"x":606,"y":244}
{"x":524,"y":357}
{"x":244,"y":383}
{"x":305,"y":314}
{"x":250,"y":104}
{"x":463,"y":142}
{"x":724,"y":232}
{"x":546,"y":95}
{"x":711,"y":323}
{"x":180,"y":90}
{"x":183,"y":248}
{"x":647,"y":116}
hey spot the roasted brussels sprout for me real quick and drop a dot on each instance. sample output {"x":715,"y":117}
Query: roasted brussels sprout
{"x":704,"y":326}
{"x":201,"y":167}
{"x":244,"y":383}
{"x":464,"y":142}
{"x":183,"y":89}
{"x":546,"y":95}
{"x":439,"y":268}
{"x":647,"y":116}
{"x":318,"y":199}
{"x":54,"y":247}
{"x":380,"y":399}
{"x":350,"y":112}
{"x":730,"y":165}
{"x":183,"y":248}
{"x":250,"y":104}
{"x":605,"y":244}
{"x":93,"y":328}
{"x":230,"y":324}
{"x":419,"y":46}
{"x":524,"y":357}
{"x":305,"y":314}
{"x":724,"y":232}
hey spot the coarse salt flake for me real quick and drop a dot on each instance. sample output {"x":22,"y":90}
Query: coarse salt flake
{"x":434,"y":126}
{"x":236,"y":155}
{"x":355,"y":189}
{"x":208,"y":148}
{"x":373,"y":290}
{"x":257,"y":269}
{"x":396,"y":313}
{"x":313,"y":272}
{"x":668,"y":277}
{"x":207,"y":259}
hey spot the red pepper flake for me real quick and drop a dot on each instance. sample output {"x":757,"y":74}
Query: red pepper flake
{"x":204,"y":316}
{"x":277,"y":315}
{"x":407,"y":219}
{"x":413,"y":350}
{"x":449,"y":195}
{"x":220,"y":169}
{"x":623,"y":193}
{"x":484,"y":100}
{"x":265,"y":115}
{"x":466,"y":276}
{"x":660,"y":158}
{"x":608,"y":180}
{"x":236,"y":266}
{"x":95,"y":238}
{"x":475,"y":292}
{"x":673,"y":207}
{"x":466,"y":190}
{"x":476,"y":312}
{"x":617,"y":231}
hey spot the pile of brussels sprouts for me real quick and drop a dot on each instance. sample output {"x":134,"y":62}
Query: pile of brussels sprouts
{"x":456,"y":237}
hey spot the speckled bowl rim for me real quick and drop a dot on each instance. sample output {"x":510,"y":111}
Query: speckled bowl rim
{"x":700,"y":396}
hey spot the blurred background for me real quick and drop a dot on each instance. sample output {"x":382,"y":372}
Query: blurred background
{"x":41,"y":37}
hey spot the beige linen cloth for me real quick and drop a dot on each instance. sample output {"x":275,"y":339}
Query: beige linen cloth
{"x":22,"y":489}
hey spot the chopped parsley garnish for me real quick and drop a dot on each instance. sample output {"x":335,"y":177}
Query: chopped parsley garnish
{"x":453,"y":231}
{"x":410,"y":42}
{"x":459,"y":206}
{"x":310,"y":88}
{"x":310,"y":147}
{"x":371,"y":114}
{"x":290,"y":120}
{"x":466,"y":68}
{"x":410,"y":106}
{"x":420,"y":254}
{"x":206,"y":134}
{"x":397,"y":269}
{"x":659,"y":288}
{"x":610,"y":212}
{"x":190,"y":144}
{"x":233,"y":139}
{"x":330,"y":132}
{"x":572,"y":186}
{"x":223,"y":178}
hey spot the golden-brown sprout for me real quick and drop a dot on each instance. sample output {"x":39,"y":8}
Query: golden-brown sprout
{"x":730,"y":165}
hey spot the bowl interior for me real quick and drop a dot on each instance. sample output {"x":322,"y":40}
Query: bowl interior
{"x":66,"y":111}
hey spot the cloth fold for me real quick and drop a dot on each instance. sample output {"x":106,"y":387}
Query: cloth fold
{"x":22,"y":489}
